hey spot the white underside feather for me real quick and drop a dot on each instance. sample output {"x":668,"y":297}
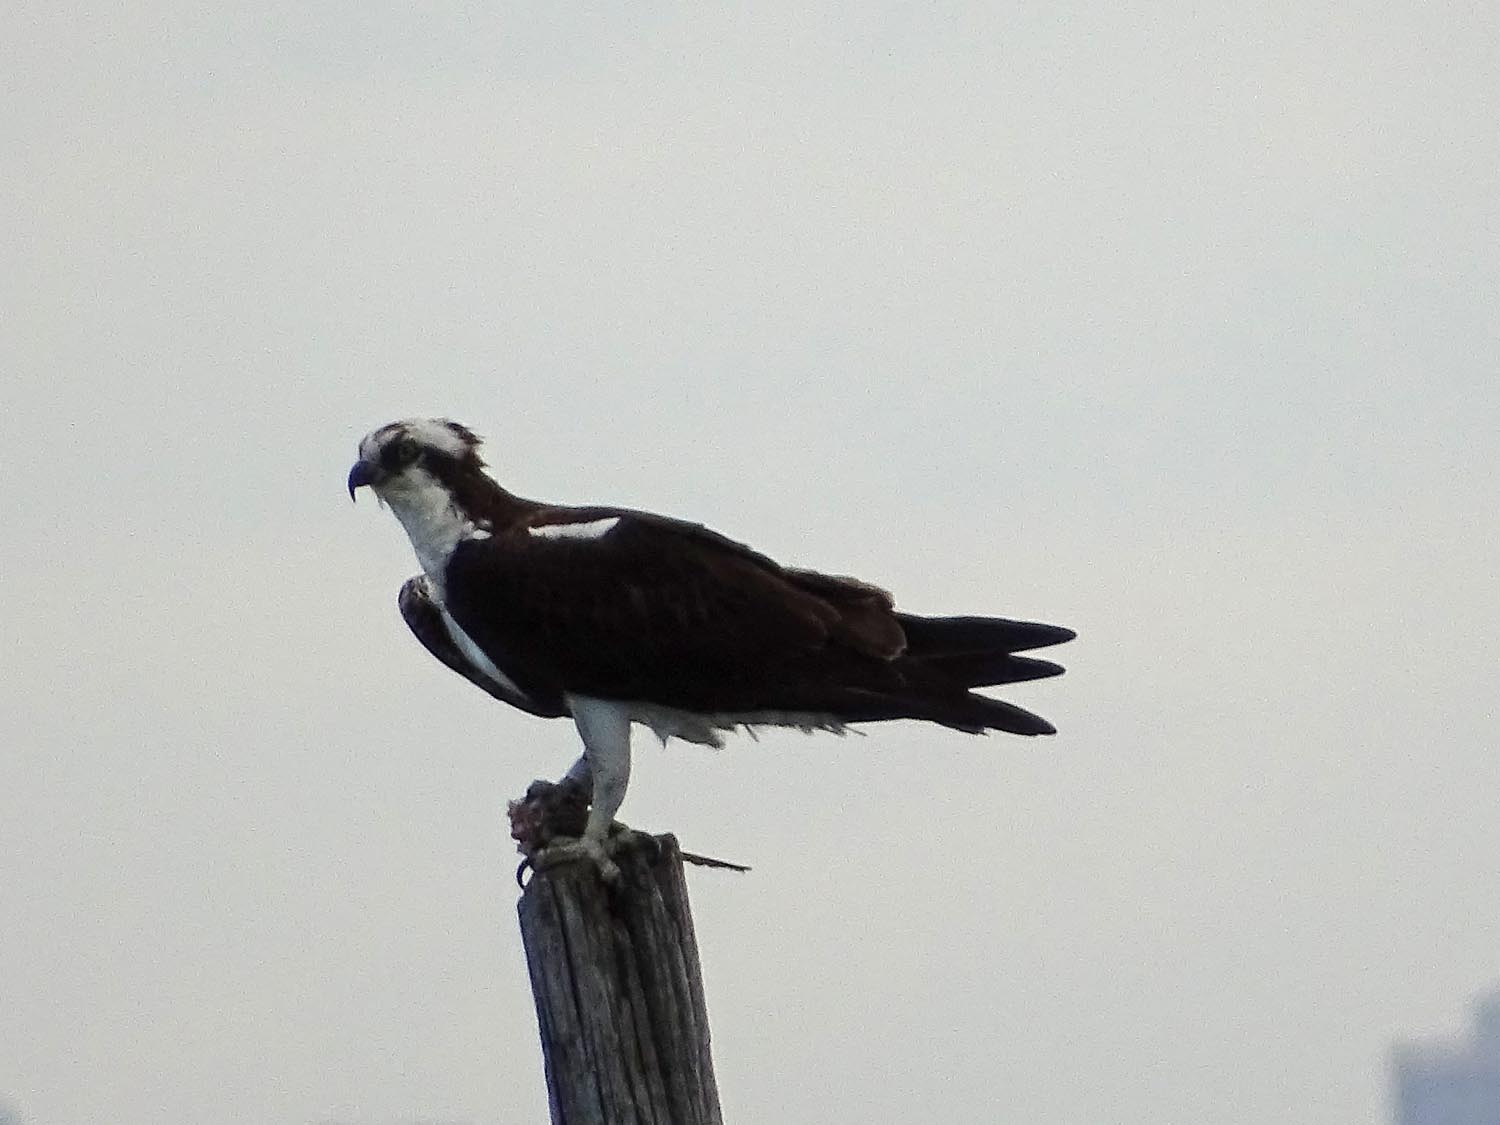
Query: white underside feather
{"x":709,"y":728}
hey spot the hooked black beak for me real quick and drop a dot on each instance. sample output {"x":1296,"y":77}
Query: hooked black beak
{"x":363,"y":473}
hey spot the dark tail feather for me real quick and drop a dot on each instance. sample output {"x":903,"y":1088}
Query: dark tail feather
{"x":979,"y":713}
{"x":988,"y":669}
{"x":954,"y":636}
{"x":963,"y":711}
{"x":950,"y":654}
{"x":944,"y":657}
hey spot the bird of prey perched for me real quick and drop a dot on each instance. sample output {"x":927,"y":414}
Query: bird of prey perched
{"x":612,"y":617}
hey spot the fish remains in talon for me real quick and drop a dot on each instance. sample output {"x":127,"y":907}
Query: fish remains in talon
{"x":612,"y":617}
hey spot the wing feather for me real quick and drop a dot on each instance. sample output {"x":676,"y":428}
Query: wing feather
{"x":654,"y":609}
{"x":670,"y":613}
{"x":425,"y":619}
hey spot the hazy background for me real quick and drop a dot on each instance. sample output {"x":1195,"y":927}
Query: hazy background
{"x":1176,"y":325}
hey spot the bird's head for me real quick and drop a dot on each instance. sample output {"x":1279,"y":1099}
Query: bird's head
{"x":405,"y":460}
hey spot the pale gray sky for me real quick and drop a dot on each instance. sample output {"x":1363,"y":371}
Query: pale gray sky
{"x":1177,"y":325}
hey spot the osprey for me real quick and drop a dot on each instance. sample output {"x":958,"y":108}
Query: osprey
{"x":611,"y":617}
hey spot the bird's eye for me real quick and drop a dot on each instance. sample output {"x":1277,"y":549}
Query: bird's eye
{"x":406,"y":451}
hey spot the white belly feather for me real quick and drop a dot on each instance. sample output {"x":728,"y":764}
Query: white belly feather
{"x":709,"y":728}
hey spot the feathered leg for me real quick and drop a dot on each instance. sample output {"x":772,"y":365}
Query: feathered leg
{"x":604,"y":771}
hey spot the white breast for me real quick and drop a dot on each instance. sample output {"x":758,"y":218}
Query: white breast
{"x":433,"y":523}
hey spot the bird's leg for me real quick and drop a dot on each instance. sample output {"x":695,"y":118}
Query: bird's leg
{"x":606,"y":754}
{"x":581,"y":773}
{"x":604,"y":771}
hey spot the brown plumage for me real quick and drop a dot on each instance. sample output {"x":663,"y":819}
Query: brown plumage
{"x":616,"y":617}
{"x":618,"y":604}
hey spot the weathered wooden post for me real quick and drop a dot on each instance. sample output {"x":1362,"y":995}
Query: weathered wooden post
{"x":614,"y":970}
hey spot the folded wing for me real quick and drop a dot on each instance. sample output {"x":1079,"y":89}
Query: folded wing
{"x":639,"y":607}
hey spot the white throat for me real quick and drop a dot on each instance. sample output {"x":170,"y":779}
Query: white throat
{"x":433,"y":522}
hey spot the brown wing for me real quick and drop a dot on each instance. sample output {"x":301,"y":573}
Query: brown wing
{"x":425,"y":620}
{"x":670,"y":612}
{"x":648,"y":608}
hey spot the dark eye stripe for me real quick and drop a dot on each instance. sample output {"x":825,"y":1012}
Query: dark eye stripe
{"x":399,"y":453}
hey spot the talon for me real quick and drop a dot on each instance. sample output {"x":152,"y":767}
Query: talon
{"x":623,"y":837}
{"x":585,"y":847}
